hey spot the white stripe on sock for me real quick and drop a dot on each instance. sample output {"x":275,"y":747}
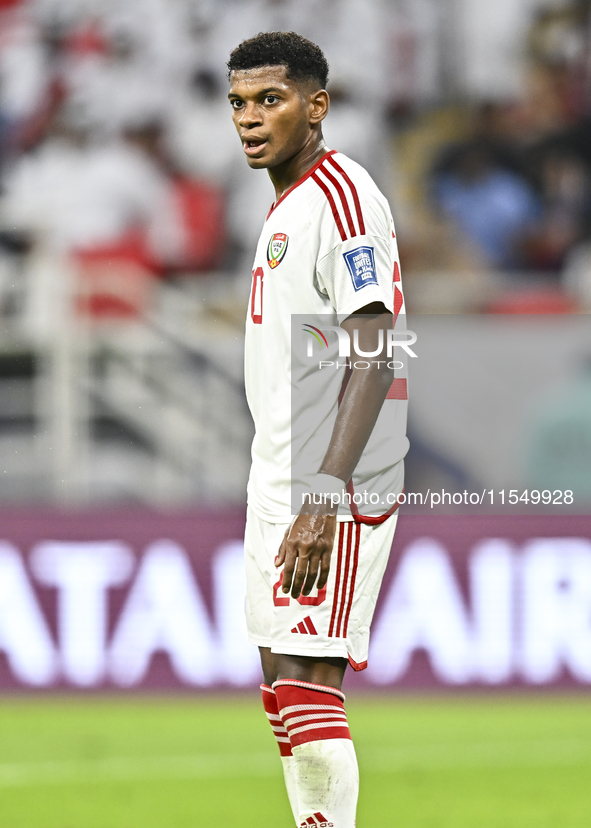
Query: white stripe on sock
{"x":278,"y":730}
{"x":296,"y":708}
{"x":289,"y":722}
{"x":316,"y":727}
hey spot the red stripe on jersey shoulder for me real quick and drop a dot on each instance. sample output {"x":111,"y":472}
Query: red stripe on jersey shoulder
{"x":356,"y":201}
{"x":301,"y":180}
{"x":398,"y":389}
{"x":341,"y":193}
{"x":333,"y":205}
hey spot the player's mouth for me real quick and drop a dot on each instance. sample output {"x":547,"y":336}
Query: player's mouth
{"x":254,"y":147}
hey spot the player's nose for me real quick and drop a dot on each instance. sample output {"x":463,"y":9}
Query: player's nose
{"x":250,"y":116}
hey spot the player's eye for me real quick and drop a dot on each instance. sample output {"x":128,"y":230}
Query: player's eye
{"x":236,"y":103}
{"x":271,"y":99}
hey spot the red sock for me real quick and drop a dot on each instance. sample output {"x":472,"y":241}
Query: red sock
{"x":311,"y":712}
{"x":279,"y":731}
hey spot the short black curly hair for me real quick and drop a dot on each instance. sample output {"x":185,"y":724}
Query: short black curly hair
{"x":303,"y":60}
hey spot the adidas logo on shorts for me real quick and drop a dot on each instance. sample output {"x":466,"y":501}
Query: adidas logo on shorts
{"x":306,"y":627}
{"x":316,"y":821}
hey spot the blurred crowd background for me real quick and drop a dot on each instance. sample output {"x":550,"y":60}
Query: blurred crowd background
{"x":128,"y":220}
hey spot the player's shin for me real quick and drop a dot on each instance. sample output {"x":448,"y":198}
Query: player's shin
{"x":325,"y":764}
{"x":280,"y":733}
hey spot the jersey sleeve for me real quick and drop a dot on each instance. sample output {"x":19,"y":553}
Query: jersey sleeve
{"x":356,"y":261}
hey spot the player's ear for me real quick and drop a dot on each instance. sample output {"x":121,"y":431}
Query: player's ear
{"x":319,"y":106}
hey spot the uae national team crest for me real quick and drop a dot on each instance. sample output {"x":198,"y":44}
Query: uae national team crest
{"x":276,"y":249}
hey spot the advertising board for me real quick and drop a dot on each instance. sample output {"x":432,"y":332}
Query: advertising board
{"x":136,"y":600}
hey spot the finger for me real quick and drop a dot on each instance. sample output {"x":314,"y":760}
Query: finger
{"x":309,"y":582}
{"x":299,"y":576}
{"x":324,"y":568}
{"x":290,"y":557}
{"x":280,"y":557}
{"x":312,"y":574}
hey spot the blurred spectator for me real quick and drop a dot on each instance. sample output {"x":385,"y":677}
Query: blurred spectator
{"x":489,"y":204}
{"x":117,"y":88}
{"x":23,"y":63}
{"x":200,"y":135}
{"x":559,"y":39}
{"x":520,"y":187}
{"x":414,"y":54}
{"x":355,"y":45}
{"x":359,"y":132}
{"x":566,"y":198}
{"x":197,"y":208}
{"x":75,"y":193}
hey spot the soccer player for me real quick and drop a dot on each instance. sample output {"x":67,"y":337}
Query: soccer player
{"x":327,"y":252}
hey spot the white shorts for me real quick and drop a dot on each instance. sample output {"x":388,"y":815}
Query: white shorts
{"x":331,"y":622}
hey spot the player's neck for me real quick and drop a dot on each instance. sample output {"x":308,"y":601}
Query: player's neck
{"x":289,"y":173}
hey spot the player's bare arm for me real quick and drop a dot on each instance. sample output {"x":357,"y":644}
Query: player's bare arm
{"x":305,"y":552}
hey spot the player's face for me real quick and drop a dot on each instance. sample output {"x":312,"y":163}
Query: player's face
{"x":273,"y":115}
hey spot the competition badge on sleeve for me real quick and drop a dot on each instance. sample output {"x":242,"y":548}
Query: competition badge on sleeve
{"x":276,"y":249}
{"x":362,"y":267}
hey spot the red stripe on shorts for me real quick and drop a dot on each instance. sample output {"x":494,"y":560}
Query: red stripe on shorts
{"x":337,"y":580}
{"x":353,"y":576}
{"x":345,"y":579}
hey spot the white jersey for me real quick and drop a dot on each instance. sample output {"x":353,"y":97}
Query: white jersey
{"x":327,"y":249}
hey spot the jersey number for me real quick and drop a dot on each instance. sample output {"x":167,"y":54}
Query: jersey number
{"x":280,"y":599}
{"x":256,"y":297}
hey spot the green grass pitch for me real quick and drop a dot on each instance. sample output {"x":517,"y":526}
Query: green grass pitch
{"x":425,"y":762}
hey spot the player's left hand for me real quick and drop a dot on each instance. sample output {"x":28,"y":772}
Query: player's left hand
{"x":305,"y":553}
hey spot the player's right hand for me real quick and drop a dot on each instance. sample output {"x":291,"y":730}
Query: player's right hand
{"x":305,"y":553}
